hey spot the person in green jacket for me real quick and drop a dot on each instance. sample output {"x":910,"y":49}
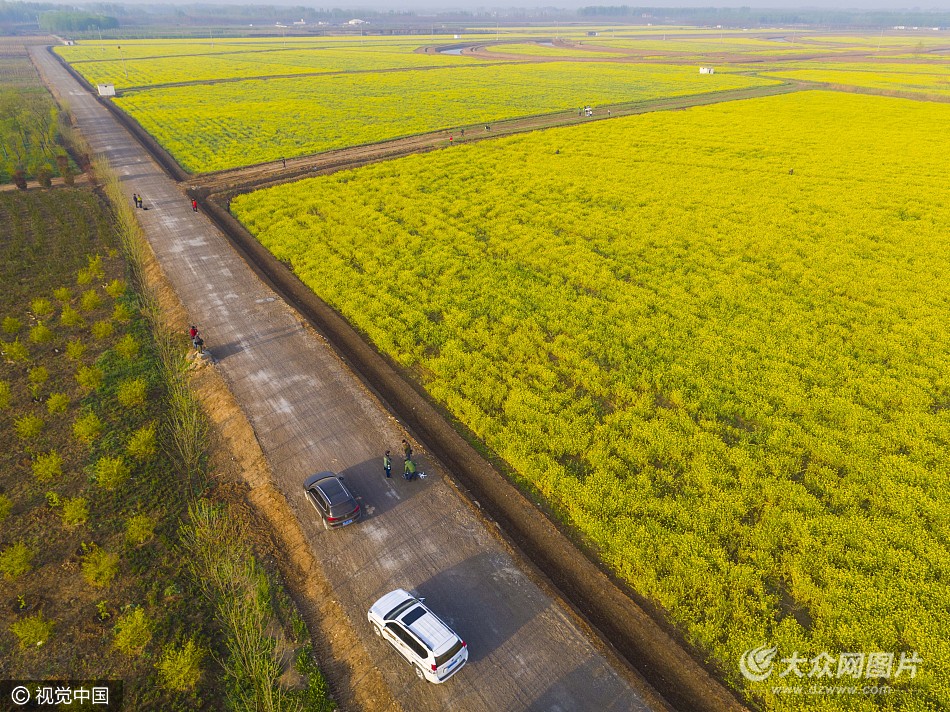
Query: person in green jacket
{"x":388,"y":465}
{"x":410,"y":470}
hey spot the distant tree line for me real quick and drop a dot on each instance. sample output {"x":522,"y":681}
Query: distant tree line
{"x":750,"y":16}
{"x":104,"y":15}
{"x":23,"y":12}
{"x":74,"y":21}
{"x":101,"y":16}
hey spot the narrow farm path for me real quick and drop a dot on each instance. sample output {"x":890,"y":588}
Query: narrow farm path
{"x":310,"y":413}
{"x":244,"y":179}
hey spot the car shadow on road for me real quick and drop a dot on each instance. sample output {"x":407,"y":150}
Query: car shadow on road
{"x":484,"y":599}
{"x":376,"y":494}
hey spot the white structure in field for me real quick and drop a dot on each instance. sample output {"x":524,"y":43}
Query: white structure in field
{"x":707,"y":70}
{"x":106,"y":89}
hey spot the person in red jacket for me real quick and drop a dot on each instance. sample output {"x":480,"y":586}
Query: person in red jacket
{"x":196,"y":339}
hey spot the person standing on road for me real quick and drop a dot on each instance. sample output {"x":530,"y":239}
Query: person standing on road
{"x":388,"y":465}
{"x":196,"y":339}
{"x":135,"y":199}
{"x":194,"y":204}
{"x":407,"y":449}
{"x":410,"y":470}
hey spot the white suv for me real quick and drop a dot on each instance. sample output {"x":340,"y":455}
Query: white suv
{"x":431,"y":647}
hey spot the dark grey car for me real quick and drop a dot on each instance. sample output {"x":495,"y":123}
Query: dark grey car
{"x":332,"y":500}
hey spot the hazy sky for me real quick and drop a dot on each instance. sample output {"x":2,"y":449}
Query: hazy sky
{"x":894,"y":5}
{"x":481,"y":5}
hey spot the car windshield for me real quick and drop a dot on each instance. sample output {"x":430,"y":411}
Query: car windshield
{"x":399,"y":609}
{"x":449,"y":654}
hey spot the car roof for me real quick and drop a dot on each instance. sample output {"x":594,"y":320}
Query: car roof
{"x":389,"y":602}
{"x":331,"y":486}
{"x":334,"y":490}
{"x":436,"y":636}
{"x":430,"y":630}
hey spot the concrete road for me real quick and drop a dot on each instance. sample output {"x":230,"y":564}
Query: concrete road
{"x":310,"y":414}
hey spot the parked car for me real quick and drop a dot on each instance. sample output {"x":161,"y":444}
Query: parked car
{"x":429,"y":645}
{"x":332,"y":500}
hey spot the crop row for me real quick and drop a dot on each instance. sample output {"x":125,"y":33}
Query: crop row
{"x":715,"y":341}
{"x":87,"y":499}
{"x":29,"y":124}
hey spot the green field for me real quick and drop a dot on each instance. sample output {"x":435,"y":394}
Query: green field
{"x":720,"y":354}
{"x":88,"y":496}
{"x":235,"y":124}
{"x":29,"y":121}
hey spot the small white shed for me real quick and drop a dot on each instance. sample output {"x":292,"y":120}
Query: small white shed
{"x":106,"y":89}
{"x":707,"y":70}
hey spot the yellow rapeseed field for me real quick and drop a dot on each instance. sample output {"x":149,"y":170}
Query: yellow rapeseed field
{"x":221,"y":126}
{"x":931,"y":84}
{"x":274,"y":61}
{"x":716,"y":341}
